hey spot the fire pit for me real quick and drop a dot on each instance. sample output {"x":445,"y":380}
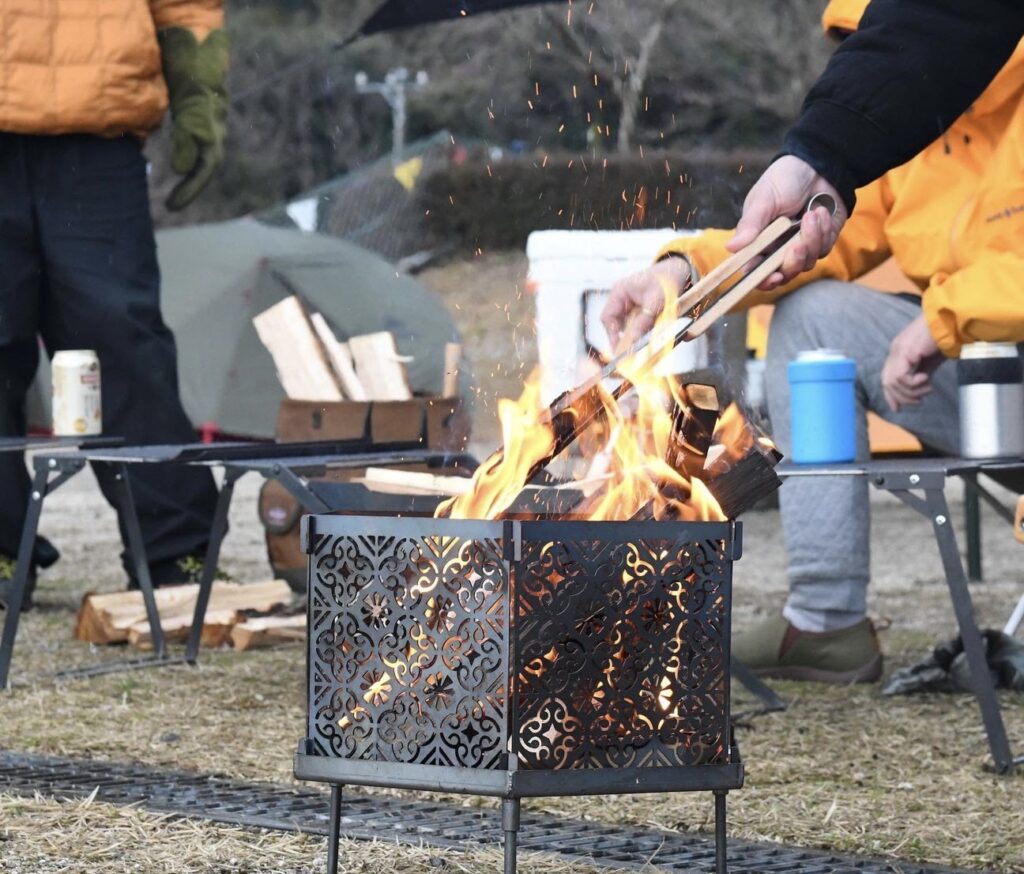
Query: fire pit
{"x":519,"y":658}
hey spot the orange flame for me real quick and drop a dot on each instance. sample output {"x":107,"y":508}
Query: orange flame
{"x":629,"y":475}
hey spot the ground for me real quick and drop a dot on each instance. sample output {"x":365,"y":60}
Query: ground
{"x":841,"y":768}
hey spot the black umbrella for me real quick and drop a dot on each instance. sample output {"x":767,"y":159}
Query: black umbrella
{"x":395,"y":14}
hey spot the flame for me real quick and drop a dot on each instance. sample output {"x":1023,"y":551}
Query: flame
{"x":628,"y":476}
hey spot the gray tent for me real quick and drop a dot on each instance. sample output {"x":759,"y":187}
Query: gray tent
{"x":216,"y":277}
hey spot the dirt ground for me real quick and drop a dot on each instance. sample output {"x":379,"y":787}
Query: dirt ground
{"x":841,"y":768}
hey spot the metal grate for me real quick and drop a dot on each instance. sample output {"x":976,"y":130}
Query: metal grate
{"x":281,"y":808}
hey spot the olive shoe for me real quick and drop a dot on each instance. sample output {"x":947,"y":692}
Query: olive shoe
{"x":775,"y":648}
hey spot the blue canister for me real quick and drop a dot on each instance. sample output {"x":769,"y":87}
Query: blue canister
{"x":822,"y":407}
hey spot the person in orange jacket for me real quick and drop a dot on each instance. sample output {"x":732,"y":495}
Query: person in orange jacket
{"x":81,"y":86}
{"x":953,"y":219}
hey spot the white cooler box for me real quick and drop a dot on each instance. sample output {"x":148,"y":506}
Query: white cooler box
{"x":572,"y":273}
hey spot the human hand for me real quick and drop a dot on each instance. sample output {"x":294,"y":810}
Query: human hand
{"x":907,"y":372}
{"x":638,"y":300}
{"x":784,"y":190}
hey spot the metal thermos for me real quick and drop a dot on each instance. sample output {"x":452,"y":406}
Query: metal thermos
{"x":991,"y":378}
{"x":823,"y":407}
{"x":77,"y":408}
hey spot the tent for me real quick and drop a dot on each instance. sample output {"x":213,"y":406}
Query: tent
{"x":216,"y":277}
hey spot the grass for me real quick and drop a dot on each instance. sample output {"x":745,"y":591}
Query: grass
{"x":42,"y":836}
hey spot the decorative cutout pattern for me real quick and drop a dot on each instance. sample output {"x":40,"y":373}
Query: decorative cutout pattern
{"x":621,"y":656}
{"x":408,"y":638}
{"x":619,"y":653}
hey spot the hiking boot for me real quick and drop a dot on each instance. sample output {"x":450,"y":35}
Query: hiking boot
{"x":774,"y":648}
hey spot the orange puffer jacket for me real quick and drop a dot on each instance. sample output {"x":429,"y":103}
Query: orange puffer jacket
{"x":89,"y":66}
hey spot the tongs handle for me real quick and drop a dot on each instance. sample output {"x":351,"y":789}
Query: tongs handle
{"x":776,"y":231}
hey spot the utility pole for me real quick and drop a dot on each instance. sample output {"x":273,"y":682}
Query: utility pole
{"x":395,"y":90}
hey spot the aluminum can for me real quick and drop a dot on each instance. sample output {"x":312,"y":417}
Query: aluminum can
{"x":77,"y":407}
{"x":823,"y":420}
{"x":991,"y":379}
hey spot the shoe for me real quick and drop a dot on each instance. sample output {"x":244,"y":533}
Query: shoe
{"x":775,"y":648}
{"x":7,"y":568}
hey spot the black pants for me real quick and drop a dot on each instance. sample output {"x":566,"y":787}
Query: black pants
{"x":78,"y":268}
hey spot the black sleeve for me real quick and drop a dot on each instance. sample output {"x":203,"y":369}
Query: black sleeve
{"x":897,"y":83}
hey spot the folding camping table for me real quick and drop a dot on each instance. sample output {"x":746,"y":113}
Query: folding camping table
{"x":289,"y":463}
{"x":920,"y":484}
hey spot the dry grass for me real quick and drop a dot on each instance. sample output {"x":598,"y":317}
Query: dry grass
{"x":40,"y":836}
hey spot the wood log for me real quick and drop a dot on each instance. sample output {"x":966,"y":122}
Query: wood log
{"x":266,"y":631}
{"x":694,"y":428}
{"x":340,"y":357}
{"x":380,"y":368}
{"x":1018,"y":523}
{"x":408,"y":482}
{"x":217,"y":625}
{"x":117,"y":617}
{"x":299,"y":358}
{"x":452,"y":363}
{"x":739,"y":485}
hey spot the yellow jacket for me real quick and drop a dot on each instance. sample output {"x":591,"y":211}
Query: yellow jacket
{"x":952,"y":217}
{"x":89,"y":66}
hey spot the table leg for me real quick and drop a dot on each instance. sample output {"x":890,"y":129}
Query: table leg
{"x":22,"y":569}
{"x":212,"y":557}
{"x":137,"y":552}
{"x":974,"y":648}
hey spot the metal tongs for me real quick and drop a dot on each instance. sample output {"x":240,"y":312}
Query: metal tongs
{"x":698,"y":308}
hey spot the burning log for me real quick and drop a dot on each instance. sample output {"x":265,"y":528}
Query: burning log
{"x":694,"y":428}
{"x":741,"y":485}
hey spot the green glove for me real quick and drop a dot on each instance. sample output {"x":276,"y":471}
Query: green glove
{"x":195,"y":73}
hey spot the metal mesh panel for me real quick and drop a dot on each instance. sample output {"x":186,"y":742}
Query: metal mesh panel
{"x":408,"y":646}
{"x":618,"y":658}
{"x":621,"y":647}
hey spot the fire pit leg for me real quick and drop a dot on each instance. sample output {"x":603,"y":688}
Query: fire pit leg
{"x":334,"y":833}
{"x":510,"y":823}
{"x":721,"y":865}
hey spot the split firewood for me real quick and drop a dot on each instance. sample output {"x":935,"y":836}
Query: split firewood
{"x":268,"y":630}
{"x":741,"y":483}
{"x":408,"y":482}
{"x":694,"y":428}
{"x":380,"y":368}
{"x":1018,"y":523}
{"x":217,"y":625}
{"x":300,"y":360}
{"x":340,"y":357}
{"x":115,"y":617}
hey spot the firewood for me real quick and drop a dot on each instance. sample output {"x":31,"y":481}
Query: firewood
{"x":340,"y":357}
{"x":380,"y":368}
{"x":739,"y":485}
{"x":217,"y":625}
{"x":268,"y":630}
{"x":398,"y":481}
{"x":1018,"y":522}
{"x":298,"y":356}
{"x":115,"y":617}
{"x":694,"y":428}
{"x":452,"y":363}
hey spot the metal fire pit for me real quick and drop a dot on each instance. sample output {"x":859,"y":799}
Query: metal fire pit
{"x":519,"y":659}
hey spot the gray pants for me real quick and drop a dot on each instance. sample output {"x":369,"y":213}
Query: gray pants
{"x":826,"y":520}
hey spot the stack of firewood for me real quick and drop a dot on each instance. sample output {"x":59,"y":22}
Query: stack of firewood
{"x":244,"y":616}
{"x":314,"y":365}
